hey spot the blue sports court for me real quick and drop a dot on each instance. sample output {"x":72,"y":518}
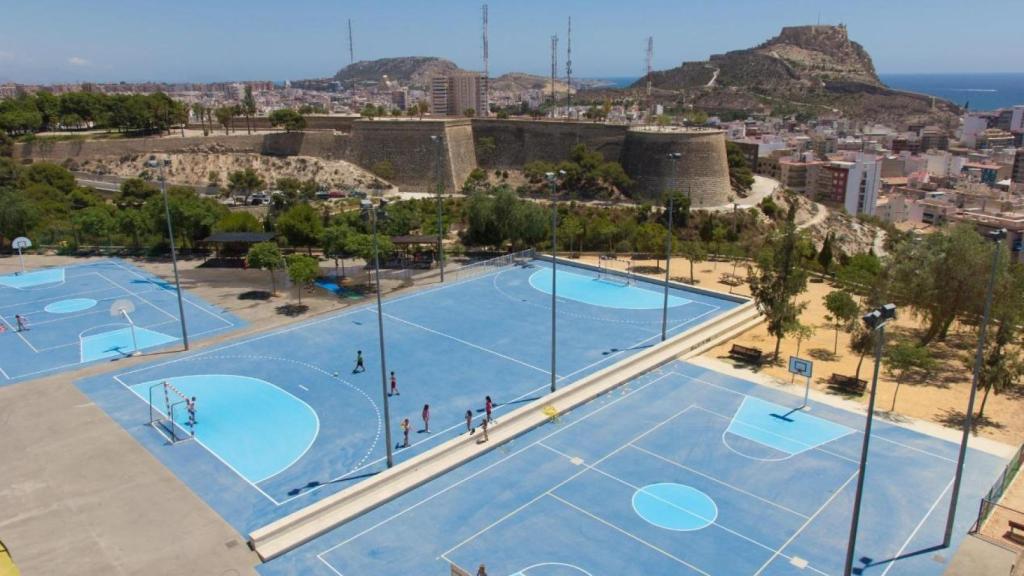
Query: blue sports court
{"x":684,"y":471}
{"x":69,"y":317}
{"x":283,"y":419}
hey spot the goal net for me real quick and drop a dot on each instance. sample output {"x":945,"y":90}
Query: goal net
{"x":616,"y":271}
{"x":171,"y":411}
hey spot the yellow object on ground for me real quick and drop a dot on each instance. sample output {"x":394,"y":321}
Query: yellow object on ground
{"x":7,"y":567}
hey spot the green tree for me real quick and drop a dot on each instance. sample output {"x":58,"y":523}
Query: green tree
{"x":245,"y":181}
{"x":238,"y":222}
{"x":650,"y":240}
{"x":383,"y":169}
{"x":132,"y":222}
{"x":290,"y":119}
{"x":904,"y":358}
{"x":248,"y":108}
{"x":860,"y":273}
{"x":335,"y":241}
{"x":1002,"y":365}
{"x":18,"y":215}
{"x":485,"y":149}
{"x":469,"y":112}
{"x":49,"y":174}
{"x":740,"y":176}
{"x":571,"y":228}
{"x":302,"y":270}
{"x":266,"y":256}
{"x":843,"y":312}
{"x":694,"y":252}
{"x":94,"y":223}
{"x":226,"y":116}
{"x":361,"y":246}
{"x":301,"y":226}
{"x":369,"y":112}
{"x":134,"y":192}
{"x":778,"y":279}
{"x":825,"y":255}
{"x":942,"y":276}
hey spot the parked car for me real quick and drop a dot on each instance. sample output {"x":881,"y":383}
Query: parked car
{"x":322,"y":195}
{"x":336,"y":194}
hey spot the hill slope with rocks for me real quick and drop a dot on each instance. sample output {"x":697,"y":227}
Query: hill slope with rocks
{"x":408,"y":70}
{"x":811,"y":69}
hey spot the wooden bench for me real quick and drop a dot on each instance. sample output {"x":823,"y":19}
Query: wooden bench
{"x":1014,"y":526}
{"x":746,"y":354}
{"x":847,"y":384}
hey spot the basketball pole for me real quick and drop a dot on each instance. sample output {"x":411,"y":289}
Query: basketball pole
{"x":554,"y":262}
{"x":380,"y":331}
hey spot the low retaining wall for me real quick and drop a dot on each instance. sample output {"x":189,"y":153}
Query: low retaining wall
{"x":304,"y":525}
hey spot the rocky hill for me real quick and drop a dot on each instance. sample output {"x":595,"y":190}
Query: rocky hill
{"x":410,"y":70}
{"x":805,"y":68}
{"x":518,"y":82}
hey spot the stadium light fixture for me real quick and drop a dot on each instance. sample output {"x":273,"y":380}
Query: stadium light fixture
{"x":874,"y":321}
{"x":154,"y":163}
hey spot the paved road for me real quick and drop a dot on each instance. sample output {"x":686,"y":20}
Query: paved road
{"x":109,"y":183}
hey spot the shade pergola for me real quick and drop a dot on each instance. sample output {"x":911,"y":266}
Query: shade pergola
{"x":235,"y":244}
{"x":416,"y":250}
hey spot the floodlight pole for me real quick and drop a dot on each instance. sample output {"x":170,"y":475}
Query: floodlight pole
{"x":879,"y":326}
{"x":997,"y":237}
{"x":440,"y":205}
{"x":673,"y":157}
{"x":554,"y":261}
{"x":380,"y":330}
{"x":174,"y":253}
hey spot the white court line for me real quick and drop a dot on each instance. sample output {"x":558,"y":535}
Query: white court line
{"x":917,"y":528}
{"x":58,"y":317}
{"x":12,"y":329}
{"x":467,"y":343}
{"x":492,"y":465}
{"x":130,"y":293}
{"x":303,"y":325}
{"x":5,"y":374}
{"x":717,"y":481}
{"x":873,"y":436}
{"x":303,"y":387}
{"x":550,"y":491}
{"x":184,"y":296}
{"x":817,"y":448}
{"x":805,"y":525}
{"x":634,"y":537}
{"x":712,"y":521}
{"x":198,"y":441}
{"x":58,"y":296}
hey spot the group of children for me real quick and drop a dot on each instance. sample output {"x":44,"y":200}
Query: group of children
{"x":406,"y":425}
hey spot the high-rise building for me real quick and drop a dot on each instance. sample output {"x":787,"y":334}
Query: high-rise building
{"x":1018,"y":166}
{"x":456,"y":94}
{"x":862,"y":185}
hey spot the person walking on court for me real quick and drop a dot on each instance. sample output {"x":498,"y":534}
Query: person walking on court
{"x":394,"y":386}
{"x":405,"y":432}
{"x":481,"y":571}
{"x":483,"y":428}
{"x":488,"y":407}
{"x":426,"y":418}
{"x":21,"y":322}
{"x":359,"y":362}
{"x":469,"y":422}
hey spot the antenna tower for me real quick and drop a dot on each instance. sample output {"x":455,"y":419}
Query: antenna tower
{"x":568,"y":71}
{"x":487,"y":76}
{"x":650,"y":58}
{"x":351,"y":52}
{"x":554,"y":73}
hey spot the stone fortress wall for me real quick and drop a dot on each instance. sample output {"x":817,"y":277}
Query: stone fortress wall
{"x":406,"y":145}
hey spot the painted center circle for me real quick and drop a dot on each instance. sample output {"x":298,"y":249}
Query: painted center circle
{"x":68,"y":306}
{"x":675,"y":506}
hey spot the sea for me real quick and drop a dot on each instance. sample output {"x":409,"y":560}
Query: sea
{"x":979,"y":91}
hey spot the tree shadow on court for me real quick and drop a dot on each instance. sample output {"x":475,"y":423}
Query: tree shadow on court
{"x":617,"y":350}
{"x":317,"y":483}
{"x":822,"y":354}
{"x":255,"y":295}
{"x":953,"y":418}
{"x":292,"y":310}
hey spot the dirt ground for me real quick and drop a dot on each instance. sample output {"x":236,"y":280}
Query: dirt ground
{"x":940,"y":398}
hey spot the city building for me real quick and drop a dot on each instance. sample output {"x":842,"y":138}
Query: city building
{"x":862,"y":184}
{"x":454,"y":95}
{"x":1018,"y":166}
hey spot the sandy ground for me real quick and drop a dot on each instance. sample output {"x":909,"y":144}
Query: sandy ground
{"x":940,"y":398}
{"x":1011,"y":508}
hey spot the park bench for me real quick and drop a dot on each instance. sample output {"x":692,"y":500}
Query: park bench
{"x":1014,"y":526}
{"x":847,"y":384}
{"x":746,"y":354}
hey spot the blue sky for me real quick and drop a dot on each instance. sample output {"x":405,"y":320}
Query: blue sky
{"x":110,"y":40}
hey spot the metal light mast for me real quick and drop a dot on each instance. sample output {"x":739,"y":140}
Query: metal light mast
{"x":487,"y":75}
{"x":568,"y":71}
{"x":650,"y":59}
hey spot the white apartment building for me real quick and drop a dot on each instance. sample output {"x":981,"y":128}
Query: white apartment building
{"x":862,"y":184}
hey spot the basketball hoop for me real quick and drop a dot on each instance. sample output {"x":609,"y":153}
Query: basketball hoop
{"x":124,"y":308}
{"x":20,"y":243}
